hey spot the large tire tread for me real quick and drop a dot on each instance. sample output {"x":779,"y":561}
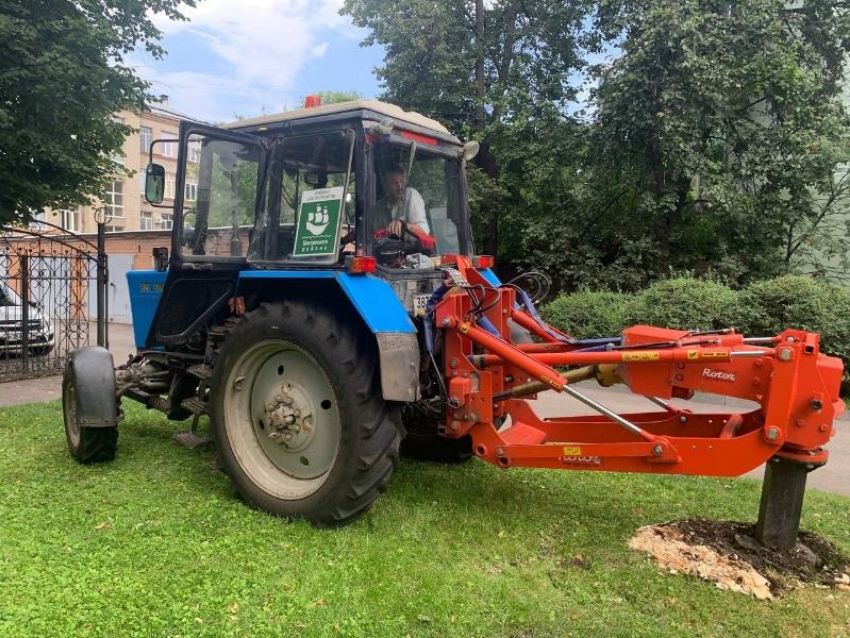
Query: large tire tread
{"x":357,"y":482}
{"x":97,"y":445}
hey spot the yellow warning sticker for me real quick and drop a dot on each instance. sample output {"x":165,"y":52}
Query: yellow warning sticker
{"x":714,"y":354}
{"x":693,"y":355}
{"x":641,"y":356}
{"x":572,"y":450}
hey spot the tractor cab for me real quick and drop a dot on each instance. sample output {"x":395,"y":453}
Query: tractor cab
{"x":356,"y":187}
{"x":360,"y":184}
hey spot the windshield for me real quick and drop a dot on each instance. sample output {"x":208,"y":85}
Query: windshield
{"x":295,"y":199}
{"x":421,"y":189}
{"x":310,"y":201}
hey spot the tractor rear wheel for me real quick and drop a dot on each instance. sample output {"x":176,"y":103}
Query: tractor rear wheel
{"x":298,"y":416}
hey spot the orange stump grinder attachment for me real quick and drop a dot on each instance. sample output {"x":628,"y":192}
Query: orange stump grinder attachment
{"x":794,"y":389}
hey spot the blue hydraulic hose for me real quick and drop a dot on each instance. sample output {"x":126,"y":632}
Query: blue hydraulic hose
{"x":596,"y":345}
{"x":485,"y":323}
{"x":593,"y":345}
{"x":427,"y":327}
{"x":526,"y":300}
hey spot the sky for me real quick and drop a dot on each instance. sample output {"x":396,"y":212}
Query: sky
{"x":258,"y":56}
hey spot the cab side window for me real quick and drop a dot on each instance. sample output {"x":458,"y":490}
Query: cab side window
{"x":218,"y":209}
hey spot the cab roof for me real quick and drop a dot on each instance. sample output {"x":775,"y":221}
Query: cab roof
{"x":355,"y":109}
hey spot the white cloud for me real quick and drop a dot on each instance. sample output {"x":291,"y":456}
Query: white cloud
{"x":260,"y":44}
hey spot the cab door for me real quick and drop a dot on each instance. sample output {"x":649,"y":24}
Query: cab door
{"x":219,"y":195}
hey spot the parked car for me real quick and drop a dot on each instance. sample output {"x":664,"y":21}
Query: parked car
{"x":11,"y":325}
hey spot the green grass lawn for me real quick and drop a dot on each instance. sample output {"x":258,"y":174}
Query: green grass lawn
{"x":154,"y":544}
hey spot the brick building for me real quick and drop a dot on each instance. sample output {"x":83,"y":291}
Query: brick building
{"x":124,"y":200}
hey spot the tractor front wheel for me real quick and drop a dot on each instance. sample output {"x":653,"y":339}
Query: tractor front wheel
{"x":300,"y":423}
{"x":89,"y":407}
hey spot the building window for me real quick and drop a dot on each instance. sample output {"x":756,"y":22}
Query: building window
{"x":191,"y":192}
{"x":113,"y":200}
{"x":143,"y":178}
{"x":166,"y":221}
{"x":113,"y":229}
{"x":169,"y":188}
{"x":70,"y":220}
{"x":146,"y":136}
{"x":39,"y":217}
{"x":146,"y":220}
{"x":194,"y":152}
{"x":169,"y":149}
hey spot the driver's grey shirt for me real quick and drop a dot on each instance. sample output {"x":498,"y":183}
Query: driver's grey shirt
{"x":411,"y":210}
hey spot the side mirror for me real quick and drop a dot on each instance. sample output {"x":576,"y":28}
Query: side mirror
{"x":155,"y":183}
{"x":470,"y":150}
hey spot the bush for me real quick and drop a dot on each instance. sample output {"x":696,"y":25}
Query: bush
{"x":766,"y":308}
{"x":762,"y":309}
{"x":586,"y":315}
{"x":686,"y":304}
{"x":769,"y":307}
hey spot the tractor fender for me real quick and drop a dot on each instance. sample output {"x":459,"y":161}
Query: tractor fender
{"x":93,"y":375}
{"x":374,"y":300}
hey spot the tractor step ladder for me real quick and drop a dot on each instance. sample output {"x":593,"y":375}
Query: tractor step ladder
{"x":196,"y":406}
{"x":201,"y":371}
{"x":190,"y":438}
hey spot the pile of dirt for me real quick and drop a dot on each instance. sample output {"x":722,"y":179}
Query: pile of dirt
{"x":727,"y":553}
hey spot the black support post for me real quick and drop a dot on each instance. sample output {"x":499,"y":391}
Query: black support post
{"x":781,"y":502}
{"x":24,"y":264}
{"x":102,"y":282}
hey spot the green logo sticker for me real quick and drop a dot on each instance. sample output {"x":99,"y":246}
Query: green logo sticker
{"x":318,"y":223}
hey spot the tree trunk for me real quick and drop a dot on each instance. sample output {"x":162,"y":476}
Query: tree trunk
{"x":480,"y":85}
{"x":485,"y":160}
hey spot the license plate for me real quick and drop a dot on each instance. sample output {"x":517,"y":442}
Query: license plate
{"x":419,"y":303}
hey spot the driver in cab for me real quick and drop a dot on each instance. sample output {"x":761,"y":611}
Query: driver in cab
{"x":400,"y":206}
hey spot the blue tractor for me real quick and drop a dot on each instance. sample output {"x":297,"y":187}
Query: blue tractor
{"x":304,"y":245}
{"x":321,"y":304}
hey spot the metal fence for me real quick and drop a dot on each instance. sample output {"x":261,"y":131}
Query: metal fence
{"x":45,"y":313}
